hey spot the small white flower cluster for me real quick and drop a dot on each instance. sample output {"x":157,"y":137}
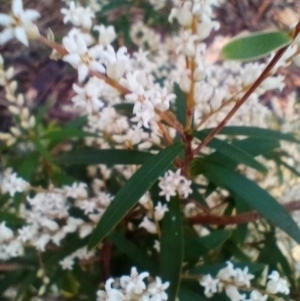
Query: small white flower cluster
{"x":157,"y":214}
{"x":78,"y":15}
{"x":232,"y":280}
{"x":134,"y":288}
{"x":16,"y":105}
{"x":81,"y":254}
{"x":47,"y":215}
{"x":19,"y":24}
{"x":172,"y":183}
{"x":11,"y":183}
{"x":9,"y":246}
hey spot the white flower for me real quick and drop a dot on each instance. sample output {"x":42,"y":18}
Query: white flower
{"x":5,"y":232}
{"x":116,"y":63}
{"x":184,"y":188}
{"x":210,"y":285}
{"x":41,"y":242}
{"x":242,"y":277}
{"x":144,"y":113}
{"x":67,"y":263}
{"x":134,"y":283}
{"x":78,"y":15}
{"x":227,"y":273}
{"x":276,"y":284}
{"x":80,"y":56}
{"x":157,"y":246}
{"x":159,"y":211}
{"x":161,"y":99}
{"x":186,"y":43}
{"x":148,"y":225}
{"x":257,"y":296}
{"x":58,"y":237}
{"x":15,"y":248}
{"x":106,"y":34}
{"x":85,"y":230}
{"x":11,"y":183}
{"x":27,"y":233}
{"x":19,"y":23}
{"x":88,"y":97}
{"x":273,"y":82}
{"x":77,"y":190}
{"x":183,"y":14}
{"x":110,"y":294}
{"x":233,"y":294}
{"x":88,"y":206}
{"x":206,"y":26}
{"x":157,"y":290}
{"x":172,"y":182}
{"x":72,"y":224}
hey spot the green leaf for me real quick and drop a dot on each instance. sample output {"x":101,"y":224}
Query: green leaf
{"x":255,"y":45}
{"x":254,"y":132}
{"x":171,"y":254}
{"x":42,"y":150}
{"x":194,"y":248}
{"x":76,"y":123}
{"x":67,"y":133}
{"x":91,"y":156}
{"x":132,"y":191}
{"x":234,"y":153}
{"x":187,"y":294}
{"x":11,"y":219}
{"x":134,"y":253}
{"x":252,"y":194}
{"x":124,"y":109}
{"x":180,"y":104}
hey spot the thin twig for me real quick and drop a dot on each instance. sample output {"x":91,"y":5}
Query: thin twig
{"x":244,"y":218}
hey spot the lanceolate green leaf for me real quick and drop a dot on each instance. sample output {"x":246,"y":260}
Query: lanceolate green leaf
{"x":194,"y":248}
{"x":132,"y":191}
{"x":255,"y":45}
{"x":67,"y":133}
{"x":171,"y":254}
{"x":254,"y":132}
{"x":91,"y":156}
{"x":136,"y":254}
{"x":234,"y":153}
{"x":185,"y":293}
{"x":252,"y":194}
{"x":180,"y":104}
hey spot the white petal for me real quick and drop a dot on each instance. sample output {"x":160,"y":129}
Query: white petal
{"x":31,"y":14}
{"x":21,"y":35}
{"x":6,"y":35}
{"x":5,"y":20}
{"x":97,"y":67}
{"x":83,"y":72}
{"x":73,"y":59}
{"x":17,"y":7}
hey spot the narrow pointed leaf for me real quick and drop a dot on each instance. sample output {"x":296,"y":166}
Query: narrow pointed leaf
{"x":172,"y":248}
{"x":142,"y":259}
{"x":132,"y":191}
{"x":91,"y":156}
{"x":234,"y":153}
{"x":255,"y":45}
{"x":180,"y":104}
{"x":185,"y":293}
{"x":249,"y":192}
